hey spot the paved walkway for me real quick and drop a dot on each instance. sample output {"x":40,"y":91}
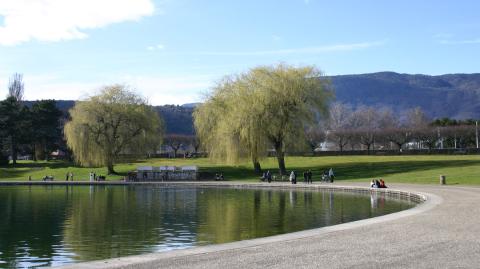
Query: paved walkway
{"x":443,"y":233}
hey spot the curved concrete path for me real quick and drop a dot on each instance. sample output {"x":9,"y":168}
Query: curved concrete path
{"x":442,"y":233}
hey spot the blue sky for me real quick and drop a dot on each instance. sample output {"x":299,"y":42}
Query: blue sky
{"x":173,"y":51}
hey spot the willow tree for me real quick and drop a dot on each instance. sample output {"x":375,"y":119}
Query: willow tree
{"x":226,"y":123}
{"x":114,"y":123}
{"x":291,"y":98}
{"x":265,"y":107}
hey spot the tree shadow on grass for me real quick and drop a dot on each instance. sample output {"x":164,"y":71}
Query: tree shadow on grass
{"x":345,"y":171}
{"x":31,"y":165}
{"x":356,"y":170}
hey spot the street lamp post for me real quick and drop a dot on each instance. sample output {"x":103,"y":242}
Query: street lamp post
{"x":476,"y":132}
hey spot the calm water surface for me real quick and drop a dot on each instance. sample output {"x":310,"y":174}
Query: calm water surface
{"x":54,"y":225}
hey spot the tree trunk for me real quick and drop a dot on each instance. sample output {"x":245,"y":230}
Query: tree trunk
{"x":256,"y":166}
{"x":46,"y":154}
{"x":13,"y":149}
{"x":110,"y":169}
{"x":34,"y":152}
{"x":399,"y":145}
{"x":39,"y":151}
{"x":280,"y":158}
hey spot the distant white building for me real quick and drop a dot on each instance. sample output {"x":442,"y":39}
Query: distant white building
{"x":164,"y":173}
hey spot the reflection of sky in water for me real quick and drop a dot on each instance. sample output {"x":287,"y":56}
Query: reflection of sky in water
{"x":51,"y":226}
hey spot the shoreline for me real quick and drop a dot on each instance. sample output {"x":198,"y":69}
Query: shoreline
{"x":426,"y":202}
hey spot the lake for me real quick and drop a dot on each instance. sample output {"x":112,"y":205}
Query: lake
{"x":55,"y":225}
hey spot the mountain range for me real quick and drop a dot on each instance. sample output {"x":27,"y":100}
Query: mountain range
{"x":453,"y":96}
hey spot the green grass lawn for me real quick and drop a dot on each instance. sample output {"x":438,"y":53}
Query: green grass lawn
{"x":459,"y":169}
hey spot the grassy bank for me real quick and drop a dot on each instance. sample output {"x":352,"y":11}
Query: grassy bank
{"x":459,"y":169}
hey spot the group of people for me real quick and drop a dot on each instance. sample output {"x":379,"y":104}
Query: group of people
{"x":266,"y":176}
{"x":307,"y":176}
{"x":328,"y":175}
{"x":68,"y":176}
{"x":219,"y":177}
{"x":94,"y":177}
{"x":375,"y":183}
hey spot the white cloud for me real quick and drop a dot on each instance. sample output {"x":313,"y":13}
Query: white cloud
{"x":306,"y":50}
{"x":55,"y":20}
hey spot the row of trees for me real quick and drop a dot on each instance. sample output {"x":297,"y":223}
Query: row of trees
{"x":267,"y":107}
{"x":179,"y":141}
{"x":371,"y":128}
{"x":34,"y":129}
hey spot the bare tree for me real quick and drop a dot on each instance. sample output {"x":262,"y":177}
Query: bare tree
{"x":427,"y":136}
{"x":339,"y":116}
{"x":314,"y":136}
{"x":398,"y":135}
{"x":341,"y":137}
{"x":365,"y":120}
{"x":176,"y":141}
{"x":416,"y":118}
{"x":16,"y":87}
{"x":458,"y":136}
{"x":387,"y":122}
{"x":339,"y":124}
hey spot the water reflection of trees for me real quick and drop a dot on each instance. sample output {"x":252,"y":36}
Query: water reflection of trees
{"x":119,"y":221}
{"x":234,"y":214}
{"x":31,"y":220}
{"x":59,"y":224}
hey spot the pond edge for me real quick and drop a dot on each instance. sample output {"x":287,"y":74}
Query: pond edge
{"x":425,"y":201}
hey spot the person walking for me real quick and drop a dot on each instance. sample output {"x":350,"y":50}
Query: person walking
{"x":331,"y":175}
{"x":293,"y":177}
{"x":309,"y":176}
